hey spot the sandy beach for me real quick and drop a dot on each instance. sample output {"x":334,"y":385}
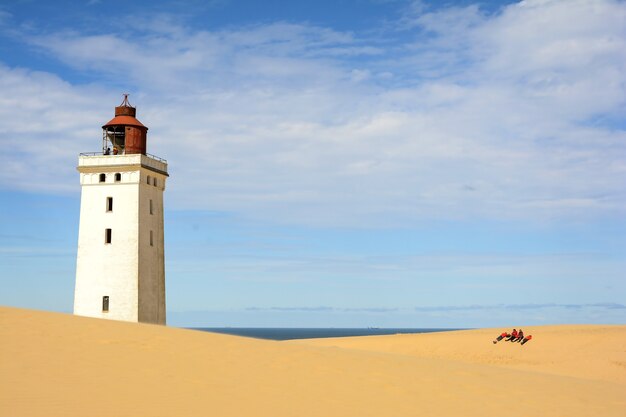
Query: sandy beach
{"x":55,"y":364}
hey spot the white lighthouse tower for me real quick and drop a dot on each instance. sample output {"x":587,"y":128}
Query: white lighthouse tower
{"x":120,"y":266}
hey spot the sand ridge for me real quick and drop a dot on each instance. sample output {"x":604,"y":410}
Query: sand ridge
{"x":60,"y":365}
{"x":581,"y":351}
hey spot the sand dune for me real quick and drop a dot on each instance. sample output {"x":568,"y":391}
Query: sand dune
{"x":582,"y":351}
{"x":60,"y":365}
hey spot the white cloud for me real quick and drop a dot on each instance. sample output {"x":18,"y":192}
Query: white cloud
{"x":45,"y":123}
{"x":487,"y":116}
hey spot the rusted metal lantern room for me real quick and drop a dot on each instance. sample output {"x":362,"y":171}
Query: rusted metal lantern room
{"x":124,"y":134}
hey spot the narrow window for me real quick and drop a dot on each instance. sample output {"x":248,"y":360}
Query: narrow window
{"x":148,"y":180}
{"x":151,"y":240}
{"x":103,"y":177}
{"x":107,"y":235}
{"x":151,"y":208}
{"x":109,"y":203}
{"x":118,"y":177}
{"x":154,"y":181}
{"x":105,"y":304}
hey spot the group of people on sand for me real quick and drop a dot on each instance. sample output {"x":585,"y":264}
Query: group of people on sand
{"x":514,"y":336}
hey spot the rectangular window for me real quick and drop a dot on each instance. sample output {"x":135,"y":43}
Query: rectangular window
{"x":103,"y":177}
{"x":151,"y":240}
{"x":148,"y":179}
{"x":107,"y":235}
{"x":118,"y":177}
{"x":154,"y":181}
{"x":105,"y":303}
{"x":151,"y":208}
{"x":109,"y":203}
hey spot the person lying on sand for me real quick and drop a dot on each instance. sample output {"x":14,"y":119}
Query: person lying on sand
{"x":502,"y":336}
{"x":512,"y":336}
{"x":527,"y":338}
{"x":520,"y":336}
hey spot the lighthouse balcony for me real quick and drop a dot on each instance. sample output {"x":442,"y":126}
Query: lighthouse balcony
{"x":98,"y":159}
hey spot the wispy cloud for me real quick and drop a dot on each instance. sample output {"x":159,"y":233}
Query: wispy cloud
{"x":450,"y":316}
{"x":291,"y":309}
{"x":326,"y":309}
{"x":507,"y":114}
{"x":45,"y":121}
{"x":530,"y":306}
{"x":449,"y":308}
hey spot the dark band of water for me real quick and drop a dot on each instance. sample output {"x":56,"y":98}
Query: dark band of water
{"x":309,"y":333}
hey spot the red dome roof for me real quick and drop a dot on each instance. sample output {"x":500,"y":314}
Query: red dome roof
{"x":124,"y":121}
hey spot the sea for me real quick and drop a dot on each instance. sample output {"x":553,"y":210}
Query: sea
{"x":281,"y":333}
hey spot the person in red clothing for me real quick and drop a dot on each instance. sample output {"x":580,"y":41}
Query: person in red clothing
{"x":512,"y":336}
{"x":502,"y":336}
{"x":520,"y":336}
{"x":527,"y":338}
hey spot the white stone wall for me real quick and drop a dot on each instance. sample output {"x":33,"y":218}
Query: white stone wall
{"x":129,"y":270}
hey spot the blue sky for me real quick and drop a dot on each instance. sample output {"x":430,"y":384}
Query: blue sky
{"x":346,"y":163}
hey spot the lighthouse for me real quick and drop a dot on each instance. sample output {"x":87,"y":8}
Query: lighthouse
{"x":120,"y":265}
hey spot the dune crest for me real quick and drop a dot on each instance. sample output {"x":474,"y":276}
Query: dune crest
{"x":60,"y":365}
{"x":582,"y":351}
